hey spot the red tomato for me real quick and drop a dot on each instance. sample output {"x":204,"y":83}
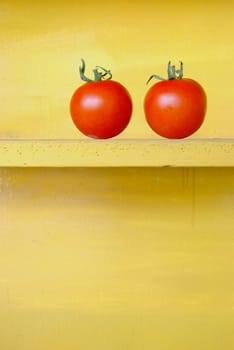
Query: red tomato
{"x":175,"y":108}
{"x":101,"y":109}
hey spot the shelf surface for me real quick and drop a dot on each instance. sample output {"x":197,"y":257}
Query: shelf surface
{"x":122,"y":153}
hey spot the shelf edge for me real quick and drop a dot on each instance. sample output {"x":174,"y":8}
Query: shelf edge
{"x":114,"y":153}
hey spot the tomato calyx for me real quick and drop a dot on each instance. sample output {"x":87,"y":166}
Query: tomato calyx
{"x":172,"y":73}
{"x":100,"y":73}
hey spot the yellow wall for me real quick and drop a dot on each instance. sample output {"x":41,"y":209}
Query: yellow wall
{"x":116,"y":259}
{"x":113,"y":258}
{"x":42,"y":42}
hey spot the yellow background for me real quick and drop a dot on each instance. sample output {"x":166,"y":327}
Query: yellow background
{"x":137,"y":258}
{"x":113,"y":258}
{"x":41,"y":44}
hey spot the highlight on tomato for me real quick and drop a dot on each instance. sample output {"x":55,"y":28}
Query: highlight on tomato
{"x":100,"y":108}
{"x":175,"y":108}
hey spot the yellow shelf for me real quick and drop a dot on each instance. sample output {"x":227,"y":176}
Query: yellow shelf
{"x":117,"y":153}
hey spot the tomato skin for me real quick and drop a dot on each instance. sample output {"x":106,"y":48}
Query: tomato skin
{"x":175,"y":108}
{"x":101,"y":109}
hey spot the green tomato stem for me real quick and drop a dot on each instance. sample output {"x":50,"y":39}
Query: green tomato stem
{"x":104,"y":74}
{"x":172,"y":73}
{"x":156,"y":77}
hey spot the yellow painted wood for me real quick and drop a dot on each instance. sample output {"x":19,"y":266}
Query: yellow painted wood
{"x":127,"y":153}
{"x":133,"y":258}
{"x":41,"y":44}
